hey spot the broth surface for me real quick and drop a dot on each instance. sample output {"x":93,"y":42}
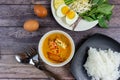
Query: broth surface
{"x":56,"y":48}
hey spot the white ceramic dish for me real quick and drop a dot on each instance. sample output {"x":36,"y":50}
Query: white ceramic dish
{"x":82,"y":25}
{"x":42,"y":55}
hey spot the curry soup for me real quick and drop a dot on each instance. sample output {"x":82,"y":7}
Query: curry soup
{"x":56,"y":48}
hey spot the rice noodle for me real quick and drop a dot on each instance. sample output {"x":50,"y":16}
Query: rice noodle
{"x":103,"y":64}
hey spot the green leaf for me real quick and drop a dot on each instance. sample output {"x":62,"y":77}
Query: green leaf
{"x":95,"y":1}
{"x":99,"y":16}
{"x":93,"y":16}
{"x":68,"y":2}
{"x":83,"y":14}
{"x":93,"y":10}
{"x":102,"y":22}
{"x":102,"y":1}
{"x":108,"y":17}
{"x":105,"y":9}
{"x":88,"y":18}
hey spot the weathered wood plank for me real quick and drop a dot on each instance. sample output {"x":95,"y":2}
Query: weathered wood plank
{"x":10,"y":68}
{"x":24,"y":2}
{"x":41,"y":1}
{"x":14,"y":40}
{"x":17,"y":10}
{"x":114,"y":1}
{"x":15,"y":15}
{"x":25,"y":79}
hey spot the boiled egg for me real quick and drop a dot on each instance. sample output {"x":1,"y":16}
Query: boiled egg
{"x":62,"y":10}
{"x":71,"y":17}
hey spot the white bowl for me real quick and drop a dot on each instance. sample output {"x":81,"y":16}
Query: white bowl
{"x":42,"y":55}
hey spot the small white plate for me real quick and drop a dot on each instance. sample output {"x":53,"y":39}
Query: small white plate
{"x":82,"y":25}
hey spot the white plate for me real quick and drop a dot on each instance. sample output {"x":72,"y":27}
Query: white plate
{"x":82,"y":25}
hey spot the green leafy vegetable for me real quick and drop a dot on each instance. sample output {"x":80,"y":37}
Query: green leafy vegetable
{"x":88,"y":18}
{"x":102,"y":22}
{"x":95,"y":1}
{"x":108,"y":17}
{"x":105,"y":9}
{"x":101,"y":11}
{"x":67,"y":2}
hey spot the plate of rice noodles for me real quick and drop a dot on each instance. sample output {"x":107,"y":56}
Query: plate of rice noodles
{"x":98,"y":58}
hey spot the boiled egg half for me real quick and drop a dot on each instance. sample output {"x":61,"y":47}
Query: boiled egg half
{"x":70,"y":15}
{"x":62,"y":10}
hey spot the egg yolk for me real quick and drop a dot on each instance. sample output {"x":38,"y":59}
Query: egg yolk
{"x":65,"y":9}
{"x":71,"y":14}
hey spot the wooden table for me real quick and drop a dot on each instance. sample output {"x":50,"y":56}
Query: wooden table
{"x":14,"y":39}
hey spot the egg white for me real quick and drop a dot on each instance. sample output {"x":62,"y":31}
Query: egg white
{"x":59,"y":11}
{"x":71,"y":21}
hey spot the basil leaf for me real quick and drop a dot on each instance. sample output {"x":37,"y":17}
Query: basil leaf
{"x":95,"y":1}
{"x":101,"y":2}
{"x":105,"y":9}
{"x":92,"y":11}
{"x":108,"y":17}
{"x":88,"y":18}
{"x":93,"y":16}
{"x":99,"y":16}
{"x":102,"y":22}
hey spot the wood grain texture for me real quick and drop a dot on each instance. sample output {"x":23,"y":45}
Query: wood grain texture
{"x":25,"y":79}
{"x":19,"y":37}
{"x":14,"y":39}
{"x":16,"y":15}
{"x":24,"y":2}
{"x":12,"y":69}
